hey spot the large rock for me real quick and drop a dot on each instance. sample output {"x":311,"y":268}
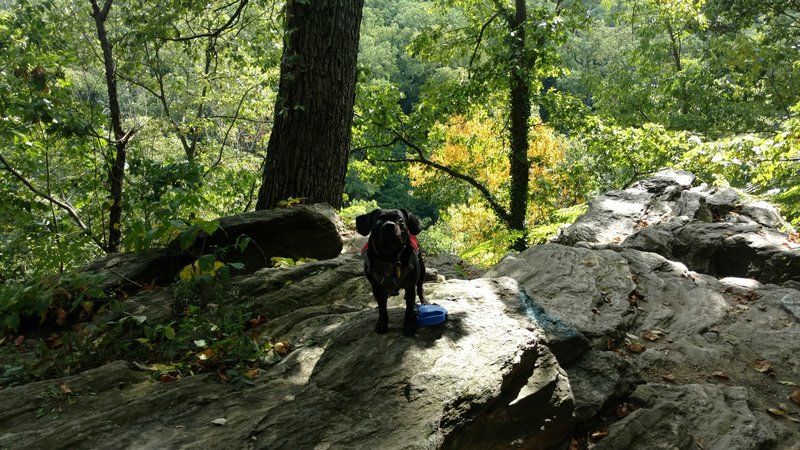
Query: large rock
{"x":715,"y":231}
{"x":481,"y":380}
{"x":299,"y":232}
{"x":654,"y":322}
{"x":680,"y":313}
{"x":688,"y":417}
{"x":589,"y":289}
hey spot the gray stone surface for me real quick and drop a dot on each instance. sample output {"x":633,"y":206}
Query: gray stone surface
{"x":690,"y":416}
{"x":667,"y":317}
{"x":482,"y":380}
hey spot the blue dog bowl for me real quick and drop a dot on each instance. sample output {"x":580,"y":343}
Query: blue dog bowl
{"x":430,"y":315}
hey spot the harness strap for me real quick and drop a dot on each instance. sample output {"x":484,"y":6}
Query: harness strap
{"x":396,"y":277}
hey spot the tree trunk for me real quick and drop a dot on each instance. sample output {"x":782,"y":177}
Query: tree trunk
{"x":120,"y":142}
{"x":308,"y":149}
{"x":520,"y":118}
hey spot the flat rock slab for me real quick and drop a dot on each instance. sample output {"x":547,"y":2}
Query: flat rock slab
{"x":690,"y":416}
{"x":481,"y":380}
{"x":589,"y":289}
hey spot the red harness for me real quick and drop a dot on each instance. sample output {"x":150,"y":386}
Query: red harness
{"x":391,"y":276}
{"x":412,"y":239}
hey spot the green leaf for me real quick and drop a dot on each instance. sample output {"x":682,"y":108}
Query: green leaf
{"x":187,"y":238}
{"x":169,"y":333}
{"x":206,"y":263}
{"x":209,"y":227}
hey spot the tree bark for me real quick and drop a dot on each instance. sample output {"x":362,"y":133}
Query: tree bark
{"x":120,"y":142}
{"x":520,"y":118}
{"x":308,"y":149}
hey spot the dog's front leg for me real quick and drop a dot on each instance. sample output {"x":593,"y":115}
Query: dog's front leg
{"x":383,"y":315}
{"x":410,"y":319}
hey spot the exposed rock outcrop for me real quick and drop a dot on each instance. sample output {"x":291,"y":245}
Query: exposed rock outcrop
{"x":668,"y":316}
{"x":484,"y":380}
{"x":654,"y":276}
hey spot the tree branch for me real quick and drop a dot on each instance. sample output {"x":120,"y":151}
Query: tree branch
{"x":367,"y":147}
{"x":480,"y":37}
{"x":215,"y":33}
{"x":498,"y":209}
{"x":73,"y":213}
{"x":233,"y":122}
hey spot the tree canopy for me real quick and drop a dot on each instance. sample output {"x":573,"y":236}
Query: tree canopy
{"x":616,"y":89}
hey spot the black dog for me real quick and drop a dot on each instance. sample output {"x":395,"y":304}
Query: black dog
{"x":392,"y":260}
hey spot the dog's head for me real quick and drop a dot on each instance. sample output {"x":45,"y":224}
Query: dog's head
{"x":390,"y":228}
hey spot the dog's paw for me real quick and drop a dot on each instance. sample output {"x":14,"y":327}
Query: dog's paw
{"x":409,"y":328}
{"x":382,"y":327}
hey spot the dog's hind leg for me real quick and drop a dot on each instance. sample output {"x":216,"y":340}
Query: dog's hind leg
{"x":383,"y":315}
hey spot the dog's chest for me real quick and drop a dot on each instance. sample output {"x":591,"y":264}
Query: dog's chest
{"x":390,"y":275}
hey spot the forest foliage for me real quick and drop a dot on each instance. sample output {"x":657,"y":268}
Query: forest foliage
{"x":620,"y":89}
{"x":127,"y":125}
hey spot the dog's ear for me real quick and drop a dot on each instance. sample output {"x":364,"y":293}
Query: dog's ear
{"x":365,"y":222}
{"x":414,"y":227}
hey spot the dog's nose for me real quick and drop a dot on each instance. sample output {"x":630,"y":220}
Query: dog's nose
{"x":389,"y":228}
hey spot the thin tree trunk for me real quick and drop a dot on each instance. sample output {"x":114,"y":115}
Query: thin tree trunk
{"x":520,"y":118}
{"x":119,"y":144}
{"x":308,"y":149}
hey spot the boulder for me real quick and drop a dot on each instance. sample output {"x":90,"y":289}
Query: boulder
{"x":298,"y":232}
{"x":690,"y":416}
{"x":688,"y":326}
{"x":483,"y":379}
{"x":714,"y":231}
{"x":588,"y":289}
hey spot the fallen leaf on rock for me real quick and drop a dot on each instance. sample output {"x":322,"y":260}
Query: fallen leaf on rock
{"x":635,"y":347}
{"x":721,"y":375}
{"x":795,"y":397}
{"x":205,"y":355}
{"x":788,"y":383}
{"x":65,"y":390}
{"x":166,"y":378}
{"x":762,"y":365}
{"x":256,"y":321}
{"x":281,"y":347}
{"x":252,"y":373}
{"x":19,"y":340}
{"x":576,"y":444}
{"x":624,"y":409}
{"x":220,"y":421}
{"x":597,"y":435}
{"x":653,"y":335}
{"x":775,"y":412}
{"x":669,"y":378}
{"x":793,"y":419}
{"x":635,"y":297}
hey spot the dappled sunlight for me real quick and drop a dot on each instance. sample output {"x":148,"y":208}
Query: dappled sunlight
{"x":619,"y":207}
